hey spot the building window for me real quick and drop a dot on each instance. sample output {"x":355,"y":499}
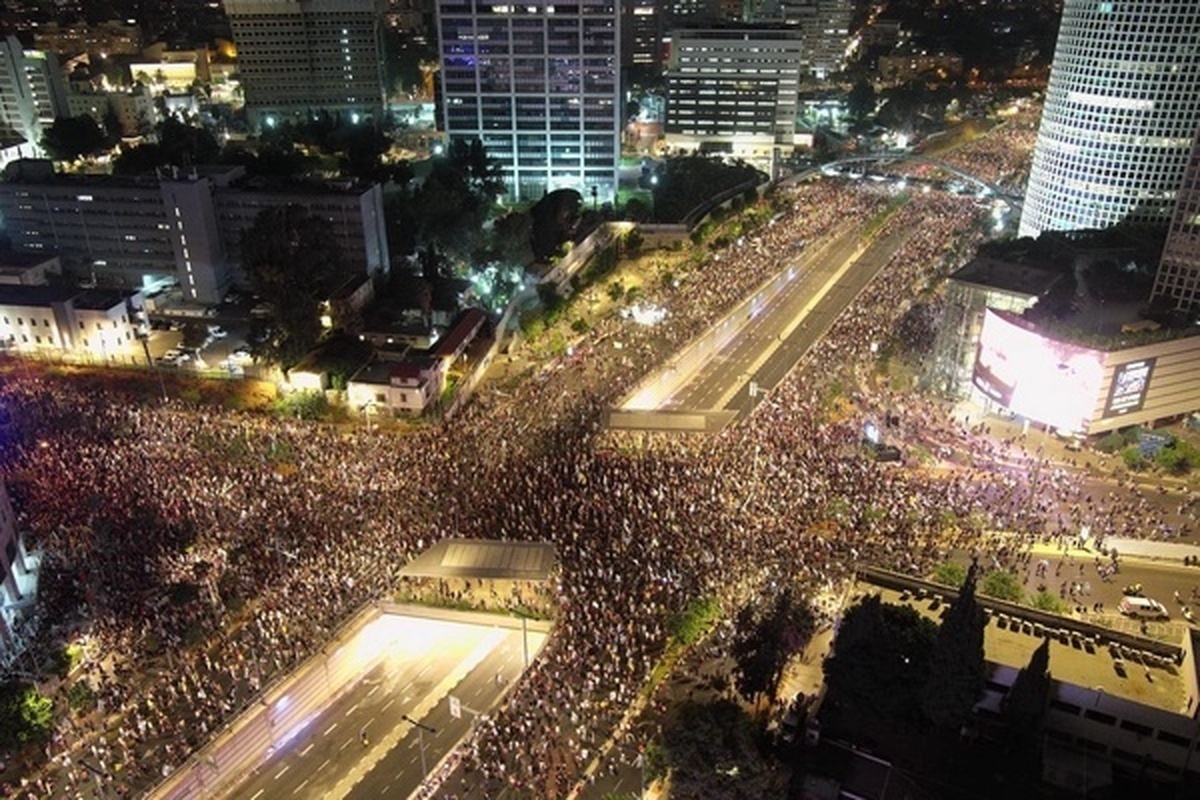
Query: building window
{"x":1100,"y":716}
{"x":1141,"y":730}
{"x":1173,"y":738}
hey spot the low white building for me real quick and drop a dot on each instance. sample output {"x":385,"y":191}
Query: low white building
{"x":98,"y":323}
{"x":399,"y":387}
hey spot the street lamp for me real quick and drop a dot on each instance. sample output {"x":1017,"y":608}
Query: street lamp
{"x":421,"y":729}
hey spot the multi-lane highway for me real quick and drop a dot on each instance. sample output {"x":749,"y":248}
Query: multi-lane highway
{"x":363,"y":746}
{"x":777,"y":333}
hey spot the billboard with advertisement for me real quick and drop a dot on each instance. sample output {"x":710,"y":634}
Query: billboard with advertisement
{"x":1129,"y":384}
{"x":1054,"y":383}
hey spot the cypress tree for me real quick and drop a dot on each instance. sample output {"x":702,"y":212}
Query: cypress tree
{"x":956,"y":664}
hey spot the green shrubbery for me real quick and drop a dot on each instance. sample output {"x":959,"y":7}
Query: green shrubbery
{"x":689,"y":625}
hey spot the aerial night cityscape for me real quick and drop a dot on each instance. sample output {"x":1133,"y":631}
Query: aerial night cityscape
{"x":596,"y":400}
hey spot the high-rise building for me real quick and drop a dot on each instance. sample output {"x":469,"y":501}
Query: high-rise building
{"x":642,"y":34}
{"x":300,"y":56}
{"x":1121,"y":110}
{"x":33,"y":94}
{"x":1179,"y":271}
{"x":537,"y":84}
{"x":734,"y":91}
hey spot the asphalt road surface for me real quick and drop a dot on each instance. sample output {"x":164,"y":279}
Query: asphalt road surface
{"x":725,"y":381}
{"x":362,"y":746}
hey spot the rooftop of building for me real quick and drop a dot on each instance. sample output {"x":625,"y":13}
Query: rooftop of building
{"x":13,"y":262}
{"x":230,"y":177}
{"x":1008,"y":276}
{"x":41,"y":296}
{"x":383,"y":372}
{"x":1128,"y":666}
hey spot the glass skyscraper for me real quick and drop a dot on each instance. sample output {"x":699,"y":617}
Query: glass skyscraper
{"x":538,"y":84}
{"x":1179,"y":271}
{"x":1121,"y":110}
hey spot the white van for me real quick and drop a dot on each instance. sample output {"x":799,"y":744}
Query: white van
{"x":1143,"y":608}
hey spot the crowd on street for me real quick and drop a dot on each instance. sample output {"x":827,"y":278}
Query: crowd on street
{"x":213,"y":550}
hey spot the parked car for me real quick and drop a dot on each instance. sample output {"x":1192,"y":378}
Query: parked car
{"x":262,"y":311}
{"x":217,"y":332}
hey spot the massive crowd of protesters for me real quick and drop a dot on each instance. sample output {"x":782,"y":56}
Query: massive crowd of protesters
{"x":284,"y":528}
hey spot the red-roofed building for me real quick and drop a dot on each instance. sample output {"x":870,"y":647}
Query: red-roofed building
{"x":459,"y":337}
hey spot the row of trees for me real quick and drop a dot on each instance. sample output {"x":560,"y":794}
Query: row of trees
{"x":895,"y":667}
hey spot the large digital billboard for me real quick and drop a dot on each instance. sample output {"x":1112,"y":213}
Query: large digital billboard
{"x":1129,"y":384}
{"x":1051,"y":382}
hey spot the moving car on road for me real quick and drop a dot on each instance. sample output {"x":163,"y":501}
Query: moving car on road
{"x":1143,"y":608}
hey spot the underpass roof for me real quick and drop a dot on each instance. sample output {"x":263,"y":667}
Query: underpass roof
{"x":484,"y":558}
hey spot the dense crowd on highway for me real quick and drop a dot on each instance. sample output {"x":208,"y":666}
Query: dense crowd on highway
{"x":286,"y":527}
{"x":1002,"y":156}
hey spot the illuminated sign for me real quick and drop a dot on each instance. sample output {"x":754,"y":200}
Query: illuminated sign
{"x":1128,"y":390}
{"x":1044,"y":380}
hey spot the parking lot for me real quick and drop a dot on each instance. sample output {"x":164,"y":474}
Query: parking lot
{"x":220,"y":339}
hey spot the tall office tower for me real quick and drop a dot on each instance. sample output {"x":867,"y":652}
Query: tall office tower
{"x":301,"y":56}
{"x":824,"y":26}
{"x":642,"y":34}
{"x":537,"y":84}
{"x":1120,"y":113}
{"x":734,"y":91}
{"x":33,"y":94}
{"x":1179,"y":270}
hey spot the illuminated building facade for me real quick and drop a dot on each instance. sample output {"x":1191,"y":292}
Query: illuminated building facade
{"x":538,"y":85}
{"x":1121,"y":110}
{"x":300,"y":56}
{"x":1179,"y":271}
{"x":181,"y":227}
{"x":734,"y":91}
{"x":32,"y":95}
{"x":101,"y":323}
{"x":642,"y":34}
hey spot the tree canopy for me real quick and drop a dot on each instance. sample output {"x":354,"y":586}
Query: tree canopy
{"x":711,"y":751}
{"x":26,"y":716}
{"x":766,"y":642}
{"x":685,"y":182}
{"x":555,"y":220}
{"x":179,"y":144}
{"x":293,"y":261}
{"x":69,"y":138}
{"x":881,"y":659}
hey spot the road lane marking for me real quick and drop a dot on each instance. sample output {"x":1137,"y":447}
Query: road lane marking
{"x":304,"y":752}
{"x":330,"y":728}
{"x":352,"y":708}
{"x":388,"y":705}
{"x":373,"y":691}
{"x":324,"y":764}
{"x":301,"y":786}
{"x":279,"y":774}
{"x":258,"y":794}
{"x":345,"y":744}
